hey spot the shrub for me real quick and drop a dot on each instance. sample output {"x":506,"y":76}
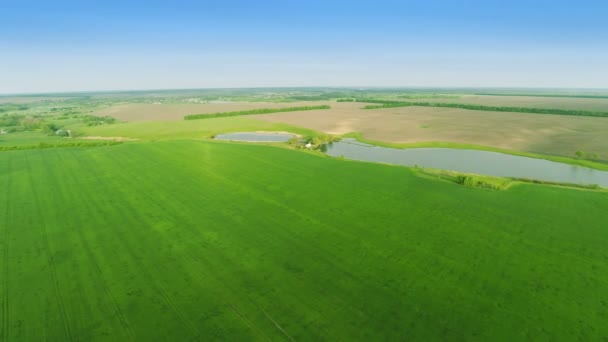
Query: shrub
{"x":92,"y":120}
{"x":49,"y":128}
{"x":30,"y":123}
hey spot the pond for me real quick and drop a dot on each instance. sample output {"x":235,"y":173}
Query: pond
{"x":470,"y":161}
{"x":255,"y":137}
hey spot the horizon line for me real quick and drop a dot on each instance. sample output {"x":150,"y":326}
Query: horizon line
{"x":109,"y":91}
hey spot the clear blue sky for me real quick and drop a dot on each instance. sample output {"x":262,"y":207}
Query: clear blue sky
{"x":107,"y":45}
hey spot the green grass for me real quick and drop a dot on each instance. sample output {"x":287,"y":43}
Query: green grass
{"x":396,"y":104}
{"x":195,"y":240}
{"x":253,"y":112}
{"x":28,"y":138}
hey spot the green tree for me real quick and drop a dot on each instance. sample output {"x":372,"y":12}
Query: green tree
{"x":30,"y":123}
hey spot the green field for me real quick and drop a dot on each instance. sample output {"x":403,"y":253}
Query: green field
{"x":197,"y":240}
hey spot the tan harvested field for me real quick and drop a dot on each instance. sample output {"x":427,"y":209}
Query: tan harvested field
{"x":176,"y":112}
{"x":599,"y":105}
{"x":549,"y":134}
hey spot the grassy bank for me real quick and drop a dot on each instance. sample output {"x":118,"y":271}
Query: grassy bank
{"x":395,"y":104}
{"x":470,"y":180}
{"x":254,"y":112}
{"x":494,"y":183}
{"x":579,"y":162}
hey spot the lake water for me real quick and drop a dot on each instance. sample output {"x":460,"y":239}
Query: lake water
{"x":255,"y":137}
{"x":470,"y":161}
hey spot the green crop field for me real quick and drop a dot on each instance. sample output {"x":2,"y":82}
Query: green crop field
{"x":357,"y":171}
{"x":198,"y":240}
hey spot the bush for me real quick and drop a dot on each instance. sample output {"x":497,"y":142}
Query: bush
{"x":10,"y":120}
{"x":92,"y":120}
{"x":49,"y":128}
{"x":30,"y":123}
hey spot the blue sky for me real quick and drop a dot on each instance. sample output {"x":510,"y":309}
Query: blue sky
{"x":48,"y":46}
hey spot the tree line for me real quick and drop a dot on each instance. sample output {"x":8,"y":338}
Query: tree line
{"x":394,"y":104}
{"x":253,"y":112}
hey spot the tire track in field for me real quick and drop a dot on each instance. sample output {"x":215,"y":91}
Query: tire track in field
{"x":197,"y":276}
{"x":50,"y":259}
{"x":224,"y":283}
{"x":124,"y":322}
{"x":277,"y":325}
{"x":141,"y":265}
{"x":261,"y":196}
{"x":231,"y":183}
{"x":256,"y":194}
{"x":5,"y":306}
{"x":156,"y":285}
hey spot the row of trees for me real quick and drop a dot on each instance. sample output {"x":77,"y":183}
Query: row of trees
{"x":253,"y":112}
{"x":392,"y":104}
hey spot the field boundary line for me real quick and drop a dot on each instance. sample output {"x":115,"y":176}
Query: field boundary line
{"x":277,"y":325}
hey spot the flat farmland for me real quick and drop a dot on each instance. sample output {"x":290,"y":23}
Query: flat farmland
{"x":188,"y":129}
{"x":135,"y":112}
{"x":193,"y":240}
{"x":573,"y":103}
{"x":542,"y":133}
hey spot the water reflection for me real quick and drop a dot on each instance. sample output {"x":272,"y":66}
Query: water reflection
{"x":470,"y":161}
{"x":255,"y":137}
